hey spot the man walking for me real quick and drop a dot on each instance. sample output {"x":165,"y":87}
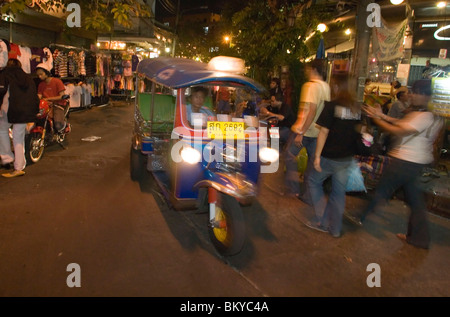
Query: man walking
{"x":313,"y":95}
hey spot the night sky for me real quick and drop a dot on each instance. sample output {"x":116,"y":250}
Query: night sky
{"x":187,"y":4}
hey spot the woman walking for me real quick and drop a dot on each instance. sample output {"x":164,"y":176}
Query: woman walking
{"x":416,"y":133}
{"x":339,"y":124}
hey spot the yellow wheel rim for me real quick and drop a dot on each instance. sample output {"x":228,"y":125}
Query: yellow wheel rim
{"x":221,"y":232}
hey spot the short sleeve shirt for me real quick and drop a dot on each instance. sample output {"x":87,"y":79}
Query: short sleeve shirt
{"x":203,"y":109}
{"x":51,"y":89}
{"x":316,"y":92}
{"x":342,"y":137}
{"x":418,"y":148}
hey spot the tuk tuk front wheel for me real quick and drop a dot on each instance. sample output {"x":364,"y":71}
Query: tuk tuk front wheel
{"x":227,"y":230}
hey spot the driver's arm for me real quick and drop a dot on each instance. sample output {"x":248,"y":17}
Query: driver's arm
{"x":267,"y":113}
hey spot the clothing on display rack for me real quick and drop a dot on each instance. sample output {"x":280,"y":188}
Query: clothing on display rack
{"x":88,"y":75}
{"x":3,"y":53}
{"x":74,"y":91}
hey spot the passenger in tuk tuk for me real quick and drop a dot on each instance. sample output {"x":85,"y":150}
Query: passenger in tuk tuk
{"x":197,"y":105}
{"x":283,"y":113}
{"x":245,"y":106}
{"x":223,"y":97}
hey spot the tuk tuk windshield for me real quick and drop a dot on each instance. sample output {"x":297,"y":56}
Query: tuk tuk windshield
{"x":222,"y":103}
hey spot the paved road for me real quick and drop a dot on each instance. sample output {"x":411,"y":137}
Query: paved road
{"x":79,"y":206}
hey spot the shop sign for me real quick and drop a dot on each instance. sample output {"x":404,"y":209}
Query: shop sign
{"x":440,"y":101}
{"x":443,"y":53}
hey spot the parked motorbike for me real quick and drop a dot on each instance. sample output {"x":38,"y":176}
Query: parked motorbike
{"x":44,"y":133}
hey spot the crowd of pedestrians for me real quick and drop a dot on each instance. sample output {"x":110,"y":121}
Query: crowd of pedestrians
{"x":330,"y":124}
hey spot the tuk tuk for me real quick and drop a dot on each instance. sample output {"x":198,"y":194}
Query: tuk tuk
{"x":202,"y":156}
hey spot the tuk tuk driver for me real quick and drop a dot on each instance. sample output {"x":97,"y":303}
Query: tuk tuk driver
{"x":198,"y":97}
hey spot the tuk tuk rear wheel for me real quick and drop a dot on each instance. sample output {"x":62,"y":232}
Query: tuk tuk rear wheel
{"x":137,"y":164}
{"x":227,"y":232}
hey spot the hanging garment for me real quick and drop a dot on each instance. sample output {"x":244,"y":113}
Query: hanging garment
{"x":24,"y":58}
{"x":87,"y":94}
{"x":48,"y":59}
{"x":60,"y":63}
{"x":127,"y":68}
{"x":37,"y":57}
{"x":14,"y":51}
{"x":134,"y":62}
{"x":3,"y":54}
{"x":90,"y":65}
{"x":81,"y":63}
{"x":99,"y":63}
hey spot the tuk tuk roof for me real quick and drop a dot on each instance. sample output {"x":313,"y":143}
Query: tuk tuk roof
{"x":182,"y":72}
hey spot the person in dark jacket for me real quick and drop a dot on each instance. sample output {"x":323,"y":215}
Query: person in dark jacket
{"x":20,"y":105}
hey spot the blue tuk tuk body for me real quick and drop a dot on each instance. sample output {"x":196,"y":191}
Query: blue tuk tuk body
{"x":193,"y":163}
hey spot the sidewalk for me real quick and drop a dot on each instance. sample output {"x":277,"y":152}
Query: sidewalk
{"x":436,"y":184}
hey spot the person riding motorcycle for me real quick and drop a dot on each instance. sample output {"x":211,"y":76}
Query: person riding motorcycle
{"x":52,"y":89}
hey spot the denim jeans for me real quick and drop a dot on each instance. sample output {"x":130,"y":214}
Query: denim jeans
{"x":6,"y":154}
{"x":404,"y":174}
{"x":328,"y":214}
{"x":290,"y":156}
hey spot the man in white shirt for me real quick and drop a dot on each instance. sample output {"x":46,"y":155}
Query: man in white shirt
{"x":314,"y":93}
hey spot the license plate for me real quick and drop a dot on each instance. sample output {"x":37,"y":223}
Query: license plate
{"x":226,"y":130}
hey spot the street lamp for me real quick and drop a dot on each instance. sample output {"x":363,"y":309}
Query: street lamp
{"x":349,"y":33}
{"x":322,"y":27}
{"x":227,"y":40}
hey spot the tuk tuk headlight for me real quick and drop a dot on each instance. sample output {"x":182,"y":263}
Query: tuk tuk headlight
{"x":190,"y":155}
{"x":267,"y":154}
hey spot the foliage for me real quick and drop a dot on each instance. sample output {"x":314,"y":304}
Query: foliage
{"x":268,"y":37}
{"x":97,"y":15}
{"x":192,"y":41}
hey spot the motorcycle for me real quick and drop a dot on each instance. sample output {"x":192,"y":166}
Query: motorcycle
{"x":44,"y":133}
{"x":210,"y":163}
